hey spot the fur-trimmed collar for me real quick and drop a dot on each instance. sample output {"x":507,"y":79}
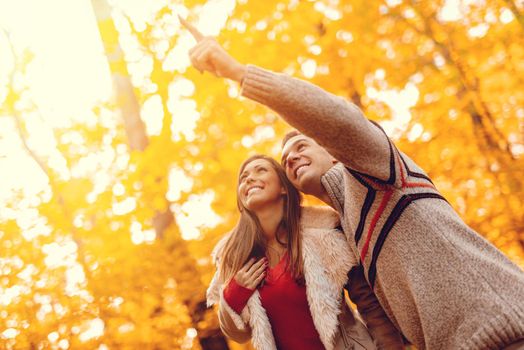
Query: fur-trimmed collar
{"x":327,"y":259}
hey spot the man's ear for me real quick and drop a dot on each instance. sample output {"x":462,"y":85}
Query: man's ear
{"x":283,"y":190}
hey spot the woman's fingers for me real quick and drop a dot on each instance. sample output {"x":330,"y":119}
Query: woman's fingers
{"x":259,"y":279}
{"x":260,"y":269}
{"x":241,"y":277}
{"x":257,"y":276}
{"x":256,"y":266}
{"x":194,"y":32}
{"x":246,"y":267}
{"x":250,"y":275}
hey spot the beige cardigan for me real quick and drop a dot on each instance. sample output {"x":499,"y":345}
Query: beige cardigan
{"x":326,"y":263}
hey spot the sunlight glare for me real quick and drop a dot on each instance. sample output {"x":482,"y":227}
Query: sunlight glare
{"x":400,"y":103}
{"x":178,"y":182}
{"x":451,"y":11}
{"x":187,"y":116}
{"x":60,"y":254}
{"x":309,"y":68}
{"x":93,"y":329}
{"x":68,"y":55}
{"x":125,"y":206}
{"x":75,"y":278}
{"x":53,"y":337}
{"x":10,"y":333}
{"x":153,"y":115}
{"x":8,"y":295}
{"x":196,"y":214}
{"x":214,"y":15}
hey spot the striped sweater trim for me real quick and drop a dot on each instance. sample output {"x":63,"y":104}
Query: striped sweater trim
{"x":335,"y":184}
{"x":393,"y":217}
{"x":392,"y":172}
{"x":366,"y":207}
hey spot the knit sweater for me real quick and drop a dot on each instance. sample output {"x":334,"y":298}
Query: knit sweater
{"x":442,"y":284}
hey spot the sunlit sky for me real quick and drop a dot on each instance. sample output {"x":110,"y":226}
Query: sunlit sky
{"x":68,"y":75}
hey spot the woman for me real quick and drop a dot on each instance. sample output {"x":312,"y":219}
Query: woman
{"x":280,"y":273}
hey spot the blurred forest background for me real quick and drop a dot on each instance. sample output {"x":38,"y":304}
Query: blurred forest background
{"x":118,"y":161}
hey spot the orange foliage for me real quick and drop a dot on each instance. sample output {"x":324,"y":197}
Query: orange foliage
{"x":449,"y":91}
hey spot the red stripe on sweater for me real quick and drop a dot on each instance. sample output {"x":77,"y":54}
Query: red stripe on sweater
{"x":405,"y":183}
{"x":378,"y":213}
{"x":385,"y":201}
{"x":402,"y":178}
{"x":418,"y":184}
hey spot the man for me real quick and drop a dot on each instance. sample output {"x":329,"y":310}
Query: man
{"x":440,"y":283}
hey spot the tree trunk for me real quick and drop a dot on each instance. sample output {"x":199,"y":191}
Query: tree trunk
{"x":210,"y":338}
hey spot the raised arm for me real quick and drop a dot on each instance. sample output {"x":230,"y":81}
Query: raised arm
{"x":333,"y":122}
{"x":336,"y":124}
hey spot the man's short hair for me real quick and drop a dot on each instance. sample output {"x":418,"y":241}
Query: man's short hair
{"x":289,"y":135}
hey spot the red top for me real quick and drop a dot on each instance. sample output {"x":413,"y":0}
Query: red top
{"x":286,"y":306}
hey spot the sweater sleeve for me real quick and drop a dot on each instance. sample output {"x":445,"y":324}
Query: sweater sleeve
{"x":379,"y":325}
{"x":231,"y":322}
{"x":237,"y":296}
{"x":230,"y":326}
{"x":336,"y":124}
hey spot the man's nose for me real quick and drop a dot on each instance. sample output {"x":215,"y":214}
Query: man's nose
{"x":291,"y":158}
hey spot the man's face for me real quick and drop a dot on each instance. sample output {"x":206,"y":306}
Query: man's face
{"x":305,"y":162}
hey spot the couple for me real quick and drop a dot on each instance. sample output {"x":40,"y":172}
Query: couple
{"x":415,"y":264}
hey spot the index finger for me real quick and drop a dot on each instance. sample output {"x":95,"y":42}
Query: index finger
{"x":194,"y":32}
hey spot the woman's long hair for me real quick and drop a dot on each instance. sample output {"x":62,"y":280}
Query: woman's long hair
{"x":247,"y":239}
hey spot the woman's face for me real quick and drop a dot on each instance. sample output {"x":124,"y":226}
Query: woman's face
{"x":259,"y":185}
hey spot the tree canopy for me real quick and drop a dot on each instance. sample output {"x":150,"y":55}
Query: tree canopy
{"x":110,"y":247}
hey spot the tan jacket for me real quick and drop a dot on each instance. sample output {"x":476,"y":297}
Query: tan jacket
{"x":326,"y":263}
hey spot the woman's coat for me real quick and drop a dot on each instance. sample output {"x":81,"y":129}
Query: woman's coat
{"x":326,"y":265}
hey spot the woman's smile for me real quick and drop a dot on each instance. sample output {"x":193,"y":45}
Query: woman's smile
{"x":259,"y":185}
